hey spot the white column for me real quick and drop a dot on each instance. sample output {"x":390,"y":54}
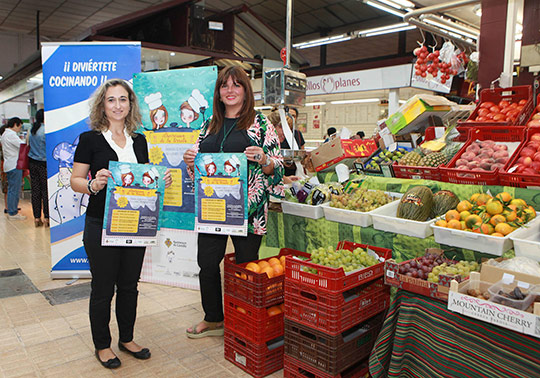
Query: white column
{"x":393,"y":101}
{"x":510,"y":42}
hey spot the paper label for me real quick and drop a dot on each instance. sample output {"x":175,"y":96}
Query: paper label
{"x":390,"y":273}
{"x":240,"y":359}
{"x":524,"y":285}
{"x":507,"y":278}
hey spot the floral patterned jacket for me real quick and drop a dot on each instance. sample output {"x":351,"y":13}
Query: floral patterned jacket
{"x":260,"y":185}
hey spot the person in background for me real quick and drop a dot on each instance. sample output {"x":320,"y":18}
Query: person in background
{"x":3,"y":177}
{"x":114,"y":117}
{"x":290,"y":167}
{"x":361,"y":134}
{"x":235,"y":127}
{"x":37,"y":162}
{"x":331,"y":131}
{"x":10,"y":148}
{"x":293,"y":112}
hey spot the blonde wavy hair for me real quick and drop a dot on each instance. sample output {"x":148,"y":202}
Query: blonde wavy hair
{"x":98,"y":119}
{"x":275,"y":119}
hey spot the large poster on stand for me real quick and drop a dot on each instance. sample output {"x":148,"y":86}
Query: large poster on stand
{"x":71,"y":73}
{"x":174,"y":105}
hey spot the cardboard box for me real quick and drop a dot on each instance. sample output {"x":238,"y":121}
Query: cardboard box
{"x":414,"y":114}
{"x":495,"y":313}
{"x":341,"y":151}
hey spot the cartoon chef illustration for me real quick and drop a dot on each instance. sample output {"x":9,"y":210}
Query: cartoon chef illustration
{"x":150,"y":177}
{"x":232,"y":165}
{"x":158,"y":112}
{"x":126,"y":175}
{"x":190,"y":109}
{"x":66,"y":204}
{"x":209,"y":165}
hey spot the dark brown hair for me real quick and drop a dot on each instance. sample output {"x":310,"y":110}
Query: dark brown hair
{"x":247,"y":113}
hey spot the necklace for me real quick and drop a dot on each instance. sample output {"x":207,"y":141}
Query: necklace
{"x":226,"y":134}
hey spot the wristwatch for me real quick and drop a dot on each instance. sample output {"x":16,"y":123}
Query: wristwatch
{"x":89,"y":186}
{"x":267,"y":162}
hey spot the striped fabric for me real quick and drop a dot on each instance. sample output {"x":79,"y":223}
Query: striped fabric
{"x":422,"y":338}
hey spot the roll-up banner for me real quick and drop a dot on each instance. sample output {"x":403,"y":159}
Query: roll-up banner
{"x":71,"y":74}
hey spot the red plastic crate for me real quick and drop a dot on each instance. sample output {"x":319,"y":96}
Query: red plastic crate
{"x":255,"y":288}
{"x":497,"y":133}
{"x":426,"y":173}
{"x":258,"y":360}
{"x":331,"y":354}
{"x":334,"y":280}
{"x":510,"y":94}
{"x":333,"y":314}
{"x":293,"y":368}
{"x":255,"y":324}
{"x":520,"y":180}
{"x":534,"y":109}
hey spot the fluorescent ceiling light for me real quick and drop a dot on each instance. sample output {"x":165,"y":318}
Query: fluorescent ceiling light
{"x":403,"y":28}
{"x":398,"y":4}
{"x":173,"y":54}
{"x":402,"y":101}
{"x":387,"y":27}
{"x":385,"y":8}
{"x":355,"y":101}
{"x":453,"y":30}
{"x":315,"y":103}
{"x":323,"y":41}
{"x":263,"y":107}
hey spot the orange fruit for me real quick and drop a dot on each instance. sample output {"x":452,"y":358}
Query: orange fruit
{"x":494,"y":207}
{"x":504,"y":197}
{"x":497,"y":234}
{"x":274,"y":261}
{"x":484,"y":228}
{"x":464,"y":206}
{"x":496,"y":219}
{"x":441,"y":223}
{"x":282,"y":260}
{"x":474,"y":197}
{"x":472,"y":220}
{"x":268,"y":270}
{"x":240,"y":309}
{"x":263,"y":264}
{"x":455,"y":224}
{"x":253,"y":267}
{"x":504,"y":228}
{"x":464,"y":215}
{"x":274,"y":310}
{"x":518,"y":203}
{"x":282,"y":307}
{"x":278,"y":269}
{"x":241,"y":275}
{"x":482,"y":199}
{"x":463,"y":225}
{"x":510,"y":215}
{"x":529,"y":213}
{"x":452,"y":215}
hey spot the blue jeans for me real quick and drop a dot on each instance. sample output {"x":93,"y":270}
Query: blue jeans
{"x":14,"y":179}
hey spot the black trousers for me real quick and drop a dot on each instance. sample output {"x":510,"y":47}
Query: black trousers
{"x":110,"y":267}
{"x":38,"y":180}
{"x":210,"y":252}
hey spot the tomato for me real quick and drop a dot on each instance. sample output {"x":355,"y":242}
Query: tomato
{"x":483,"y":111}
{"x":489,"y":115}
{"x":503,"y":104}
{"x":481,"y":119}
{"x":538,"y":108}
{"x":499,"y":117}
{"x":487,"y":104}
{"x":513,"y":105}
{"x":506,"y":110}
{"x":519,"y":107}
{"x":495,"y":109}
{"x":522,"y":102}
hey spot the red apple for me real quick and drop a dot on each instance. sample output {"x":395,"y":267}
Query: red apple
{"x":534,"y":123}
{"x":529,"y":171}
{"x":536,"y":136}
{"x":527,"y":160}
{"x":536,"y":156}
{"x":536,"y":116}
{"x":527,"y":151}
{"x":536,"y":166}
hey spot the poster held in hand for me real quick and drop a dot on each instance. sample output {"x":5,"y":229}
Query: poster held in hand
{"x":133,"y":204}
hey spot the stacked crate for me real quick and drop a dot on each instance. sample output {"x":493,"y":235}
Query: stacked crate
{"x":332,"y":319}
{"x":253,"y":308}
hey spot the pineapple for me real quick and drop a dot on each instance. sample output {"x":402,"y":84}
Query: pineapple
{"x":433,"y":160}
{"x":410,"y":159}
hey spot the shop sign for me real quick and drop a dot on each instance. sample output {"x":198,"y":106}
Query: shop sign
{"x":365,"y":80}
{"x":432,"y":84}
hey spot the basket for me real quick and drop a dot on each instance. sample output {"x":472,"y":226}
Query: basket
{"x":254,"y":324}
{"x":259,"y":360}
{"x":510,"y":94}
{"x":333,"y":314}
{"x":253,"y":288}
{"x":334,"y":280}
{"x":331,"y":354}
{"x":534,"y":111}
{"x":293,"y":368}
{"x":497,"y":133}
{"x":520,"y":180}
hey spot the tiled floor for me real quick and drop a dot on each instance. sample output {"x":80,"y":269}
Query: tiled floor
{"x":41,"y":340}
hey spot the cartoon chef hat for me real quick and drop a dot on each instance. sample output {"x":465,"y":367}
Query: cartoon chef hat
{"x":234,"y":160}
{"x":64,"y":153}
{"x":207,"y":159}
{"x":153,"y":100}
{"x":153,"y":172}
{"x":124,"y":168}
{"x":197,"y":101}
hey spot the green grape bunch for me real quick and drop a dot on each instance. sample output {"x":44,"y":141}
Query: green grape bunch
{"x":343,"y":258}
{"x":360,"y":199}
{"x":462,"y":268}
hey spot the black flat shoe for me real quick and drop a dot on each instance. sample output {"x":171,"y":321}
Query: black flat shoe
{"x":113,"y":363}
{"x":143,"y":354}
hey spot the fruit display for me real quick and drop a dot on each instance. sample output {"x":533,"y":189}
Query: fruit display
{"x":312,"y":193}
{"x":503,"y":111}
{"x":485,"y":155}
{"x":461,"y":268}
{"x":443,"y":201}
{"x":416,"y":204}
{"x":535,"y":118}
{"x":484,"y":214}
{"x":360,"y":199}
{"x":385,"y":157}
{"x":342,"y":258}
{"x":429,"y":65}
{"x":273,"y":267}
{"x":431,"y":265}
{"x":528,"y":161}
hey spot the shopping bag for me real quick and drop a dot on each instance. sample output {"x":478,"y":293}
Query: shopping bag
{"x":22,"y":161}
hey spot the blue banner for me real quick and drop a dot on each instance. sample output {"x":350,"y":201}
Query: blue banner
{"x":71,"y":74}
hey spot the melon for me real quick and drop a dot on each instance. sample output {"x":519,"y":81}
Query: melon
{"x":416,"y":204}
{"x":443,"y":201}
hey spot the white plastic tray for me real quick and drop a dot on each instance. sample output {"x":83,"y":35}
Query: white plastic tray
{"x":493,"y":245}
{"x":302,"y":210}
{"x":527,"y":240}
{"x":356,"y":218}
{"x":384,"y":218}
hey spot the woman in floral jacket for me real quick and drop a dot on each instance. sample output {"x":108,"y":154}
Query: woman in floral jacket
{"x":235,"y":127}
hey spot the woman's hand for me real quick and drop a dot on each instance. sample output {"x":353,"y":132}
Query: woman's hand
{"x":101,"y":179}
{"x":255,"y":154}
{"x":168,"y":178}
{"x":189,"y":157}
